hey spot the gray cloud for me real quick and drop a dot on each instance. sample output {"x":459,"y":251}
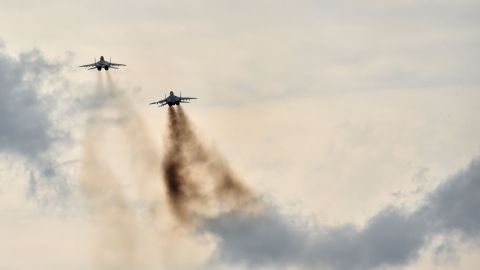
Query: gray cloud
{"x":454,"y":205}
{"x":393,"y":237}
{"x":27,"y":129}
{"x":24,"y":117}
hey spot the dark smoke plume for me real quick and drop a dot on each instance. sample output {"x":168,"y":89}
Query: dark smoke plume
{"x":181,"y":190}
{"x":227,"y":186}
{"x":196,"y":176}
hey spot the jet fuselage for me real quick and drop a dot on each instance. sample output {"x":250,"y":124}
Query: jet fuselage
{"x":102,"y":64}
{"x":172,"y":99}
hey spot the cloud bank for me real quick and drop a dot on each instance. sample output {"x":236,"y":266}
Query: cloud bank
{"x":393,"y":237}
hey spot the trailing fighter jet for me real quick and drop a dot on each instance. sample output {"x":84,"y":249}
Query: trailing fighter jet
{"x":103,"y":64}
{"x":172,"y":100}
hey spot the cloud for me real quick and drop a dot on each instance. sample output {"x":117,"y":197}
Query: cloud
{"x":454,"y":205}
{"x":27,"y":130}
{"x":24,"y":116}
{"x":393,"y":237}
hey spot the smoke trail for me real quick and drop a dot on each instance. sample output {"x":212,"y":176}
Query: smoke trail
{"x":228,"y":187}
{"x":117,"y":244}
{"x":187,"y":168}
{"x":144,"y":153}
{"x":117,"y":247}
{"x":181,"y":191}
{"x":135,"y":129}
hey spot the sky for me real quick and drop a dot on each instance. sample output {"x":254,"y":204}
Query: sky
{"x":355,"y":123}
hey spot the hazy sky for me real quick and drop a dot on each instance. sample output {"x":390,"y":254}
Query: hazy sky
{"x":356,"y":121}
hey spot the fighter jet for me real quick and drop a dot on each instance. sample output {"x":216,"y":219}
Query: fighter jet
{"x":172,"y":100}
{"x":103,"y":64}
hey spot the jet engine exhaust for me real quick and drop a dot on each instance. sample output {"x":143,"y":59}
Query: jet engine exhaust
{"x":196,"y":176}
{"x":117,"y":246}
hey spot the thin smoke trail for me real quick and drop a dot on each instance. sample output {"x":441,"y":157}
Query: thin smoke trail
{"x":144,"y":153}
{"x":117,"y":245}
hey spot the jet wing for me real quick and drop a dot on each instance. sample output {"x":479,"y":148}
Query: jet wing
{"x":88,"y":65}
{"x":116,"y":65}
{"x":162,"y":102}
{"x":187,"y":98}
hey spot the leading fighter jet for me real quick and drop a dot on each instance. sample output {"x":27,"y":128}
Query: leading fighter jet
{"x":103,"y":64}
{"x":172,"y":100}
